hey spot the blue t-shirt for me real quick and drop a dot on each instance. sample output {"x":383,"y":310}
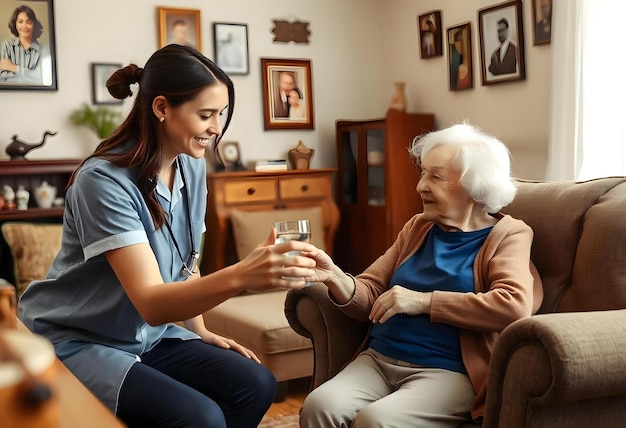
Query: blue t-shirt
{"x":81,"y":307}
{"x":444,"y":262}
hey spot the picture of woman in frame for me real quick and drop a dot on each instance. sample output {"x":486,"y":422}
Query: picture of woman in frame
{"x":23,"y":58}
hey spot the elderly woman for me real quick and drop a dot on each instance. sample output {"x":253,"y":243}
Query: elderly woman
{"x":455,"y":277}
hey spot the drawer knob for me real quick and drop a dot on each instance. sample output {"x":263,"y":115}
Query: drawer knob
{"x":251,"y":191}
{"x":304,"y":187}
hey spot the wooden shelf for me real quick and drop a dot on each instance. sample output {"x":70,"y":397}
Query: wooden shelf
{"x":31,"y":213}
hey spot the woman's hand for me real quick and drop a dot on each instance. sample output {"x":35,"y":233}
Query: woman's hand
{"x":226,"y":343}
{"x":268,"y":265}
{"x":399,"y":300}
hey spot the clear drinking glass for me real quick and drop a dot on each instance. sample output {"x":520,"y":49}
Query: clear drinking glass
{"x":297,"y":230}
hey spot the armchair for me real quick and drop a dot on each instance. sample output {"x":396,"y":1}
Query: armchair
{"x":565,"y":366}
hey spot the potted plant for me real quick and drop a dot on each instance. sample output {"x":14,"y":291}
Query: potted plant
{"x":101,"y":120}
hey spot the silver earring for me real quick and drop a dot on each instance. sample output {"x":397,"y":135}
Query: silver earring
{"x":162,"y":119}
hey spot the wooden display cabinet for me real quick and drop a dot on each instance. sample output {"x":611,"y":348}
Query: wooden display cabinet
{"x":376,"y":184}
{"x":246,"y":190}
{"x":30,"y":174}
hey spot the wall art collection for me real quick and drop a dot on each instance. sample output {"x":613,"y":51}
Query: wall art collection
{"x":501,"y":38}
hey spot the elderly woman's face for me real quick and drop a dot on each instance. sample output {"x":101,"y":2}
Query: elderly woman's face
{"x":445,"y":201}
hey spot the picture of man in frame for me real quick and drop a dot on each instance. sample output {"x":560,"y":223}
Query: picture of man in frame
{"x":504,"y":58}
{"x":286,"y":81}
{"x":180,"y":32}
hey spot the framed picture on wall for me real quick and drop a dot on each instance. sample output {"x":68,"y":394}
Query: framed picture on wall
{"x":100,"y":73}
{"x":230,"y":42}
{"x":460,"y":62}
{"x":179,"y":26}
{"x":28,"y":50}
{"x":542,"y":22}
{"x":501,"y":43}
{"x":429,"y":28}
{"x":287,"y":93}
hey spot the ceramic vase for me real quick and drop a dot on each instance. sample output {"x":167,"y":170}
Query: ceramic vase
{"x":22,"y":196}
{"x":45,"y":194}
{"x":398,"y":100}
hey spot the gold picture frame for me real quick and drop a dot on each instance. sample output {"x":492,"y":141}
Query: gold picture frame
{"x":179,"y":26}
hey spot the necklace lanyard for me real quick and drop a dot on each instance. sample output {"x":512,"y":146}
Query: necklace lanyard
{"x":192,"y":268}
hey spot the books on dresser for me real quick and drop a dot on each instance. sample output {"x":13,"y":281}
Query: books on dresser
{"x":271,"y":165}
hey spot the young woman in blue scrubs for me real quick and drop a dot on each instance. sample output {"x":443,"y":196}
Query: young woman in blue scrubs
{"x":127,"y":268}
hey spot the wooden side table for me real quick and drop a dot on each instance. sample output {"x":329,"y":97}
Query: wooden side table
{"x":78,"y":407}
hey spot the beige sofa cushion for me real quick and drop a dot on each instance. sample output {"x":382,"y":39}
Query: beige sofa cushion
{"x":33,"y":247}
{"x":258,"y":322}
{"x":250,"y":228}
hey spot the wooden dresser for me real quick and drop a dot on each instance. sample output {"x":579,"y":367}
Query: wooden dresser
{"x":246,"y":190}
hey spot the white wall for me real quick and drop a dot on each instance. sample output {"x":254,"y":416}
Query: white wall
{"x":358,"y":48}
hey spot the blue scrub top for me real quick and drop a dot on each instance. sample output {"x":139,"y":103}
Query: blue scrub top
{"x":81,"y":307}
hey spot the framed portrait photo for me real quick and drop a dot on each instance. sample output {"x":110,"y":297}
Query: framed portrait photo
{"x":287,"y":93}
{"x":542,"y":22}
{"x":430,"y":32}
{"x":27,"y":52}
{"x":230,"y":44}
{"x":179,"y":26}
{"x":100,"y":73}
{"x":501,"y":43}
{"x":460,"y":62}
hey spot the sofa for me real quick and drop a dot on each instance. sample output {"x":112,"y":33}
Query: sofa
{"x":564,"y":366}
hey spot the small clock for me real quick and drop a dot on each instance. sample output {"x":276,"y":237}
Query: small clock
{"x":231,"y":156}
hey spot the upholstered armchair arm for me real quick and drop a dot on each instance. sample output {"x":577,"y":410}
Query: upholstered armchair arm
{"x":335,"y":336}
{"x":565,"y":369}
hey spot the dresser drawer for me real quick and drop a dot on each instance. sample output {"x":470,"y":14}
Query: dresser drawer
{"x":304,"y":187}
{"x":243,"y":191}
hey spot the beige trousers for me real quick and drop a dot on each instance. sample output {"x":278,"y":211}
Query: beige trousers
{"x":375,"y":391}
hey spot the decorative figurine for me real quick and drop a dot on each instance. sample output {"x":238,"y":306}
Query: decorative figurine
{"x":45,"y":194}
{"x":22,"y":197}
{"x":9,"y":197}
{"x":18,"y":149}
{"x":300,"y":156}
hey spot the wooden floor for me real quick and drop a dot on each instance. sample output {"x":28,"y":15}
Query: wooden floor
{"x":297,"y":391}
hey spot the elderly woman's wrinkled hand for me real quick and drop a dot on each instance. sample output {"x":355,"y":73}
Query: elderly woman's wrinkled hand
{"x":399,"y":300}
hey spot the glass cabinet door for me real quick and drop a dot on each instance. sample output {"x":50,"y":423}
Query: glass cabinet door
{"x":349,"y":160}
{"x":375,"y":149}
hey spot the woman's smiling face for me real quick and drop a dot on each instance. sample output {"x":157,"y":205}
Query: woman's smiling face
{"x":24,"y":26}
{"x":445,"y":201}
{"x":190,"y":127}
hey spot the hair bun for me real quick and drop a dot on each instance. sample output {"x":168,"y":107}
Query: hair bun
{"x":119,"y":82}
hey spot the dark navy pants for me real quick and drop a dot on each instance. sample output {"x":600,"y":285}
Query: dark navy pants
{"x":188,"y":383}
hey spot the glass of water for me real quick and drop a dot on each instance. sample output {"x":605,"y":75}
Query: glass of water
{"x":297,"y":230}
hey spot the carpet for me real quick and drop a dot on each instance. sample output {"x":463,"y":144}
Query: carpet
{"x":282,"y":421}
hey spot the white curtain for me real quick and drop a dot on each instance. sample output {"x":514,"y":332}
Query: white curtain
{"x":588,"y":138}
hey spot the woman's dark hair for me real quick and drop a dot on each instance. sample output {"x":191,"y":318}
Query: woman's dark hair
{"x":176,"y":72}
{"x":37,"y":29}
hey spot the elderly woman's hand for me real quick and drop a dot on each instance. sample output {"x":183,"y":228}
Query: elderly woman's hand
{"x":399,"y":300}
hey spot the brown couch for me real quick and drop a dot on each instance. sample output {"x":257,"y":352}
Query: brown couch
{"x":564,"y":367}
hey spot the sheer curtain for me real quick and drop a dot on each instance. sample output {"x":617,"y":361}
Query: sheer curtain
{"x":588,"y":131}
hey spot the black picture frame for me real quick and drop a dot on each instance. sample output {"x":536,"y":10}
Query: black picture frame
{"x":506,"y":19}
{"x":230,"y":47}
{"x":460,"y":57}
{"x":37,"y":69}
{"x":100,"y":72}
